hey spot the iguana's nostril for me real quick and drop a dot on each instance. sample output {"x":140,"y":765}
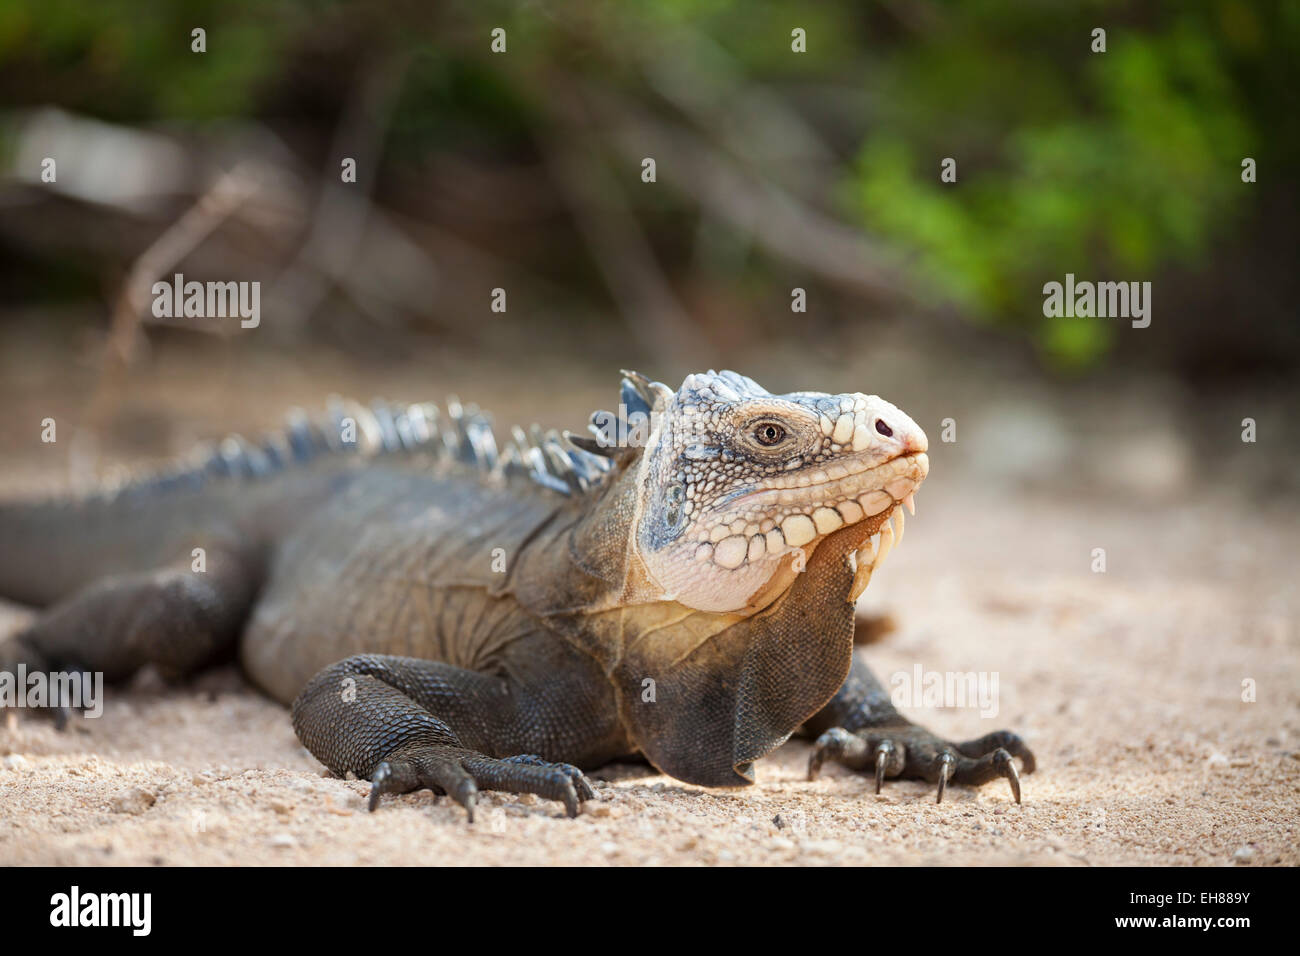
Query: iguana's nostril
{"x":883,"y":428}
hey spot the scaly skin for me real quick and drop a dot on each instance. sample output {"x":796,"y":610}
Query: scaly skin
{"x":443,"y":616}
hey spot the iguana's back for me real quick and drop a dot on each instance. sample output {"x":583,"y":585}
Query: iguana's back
{"x":397,"y":542}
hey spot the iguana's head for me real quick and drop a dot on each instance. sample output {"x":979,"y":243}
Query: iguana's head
{"x":737,"y":487}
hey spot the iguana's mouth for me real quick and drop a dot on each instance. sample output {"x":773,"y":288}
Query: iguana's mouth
{"x":774,"y":520}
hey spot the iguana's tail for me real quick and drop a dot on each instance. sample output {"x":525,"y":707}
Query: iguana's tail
{"x":49,"y":549}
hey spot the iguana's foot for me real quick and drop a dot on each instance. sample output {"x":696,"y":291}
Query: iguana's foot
{"x":59,"y":703}
{"x":913,"y":753}
{"x":462,"y":773}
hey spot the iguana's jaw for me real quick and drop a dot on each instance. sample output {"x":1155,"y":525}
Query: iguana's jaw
{"x":744,"y":563}
{"x":866,"y":506}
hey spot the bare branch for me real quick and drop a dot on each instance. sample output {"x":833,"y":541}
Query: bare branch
{"x":780,"y":223}
{"x":230,"y":191}
{"x":618,"y":245}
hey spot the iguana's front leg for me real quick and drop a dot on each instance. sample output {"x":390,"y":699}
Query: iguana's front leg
{"x":861,"y":729}
{"x":406,"y":724}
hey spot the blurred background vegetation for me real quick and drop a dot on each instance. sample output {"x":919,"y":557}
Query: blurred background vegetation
{"x":775,"y":170}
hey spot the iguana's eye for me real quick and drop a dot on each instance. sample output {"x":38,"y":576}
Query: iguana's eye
{"x":769,"y":433}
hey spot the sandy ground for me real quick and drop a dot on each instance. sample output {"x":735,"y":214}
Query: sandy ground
{"x":1128,"y":685}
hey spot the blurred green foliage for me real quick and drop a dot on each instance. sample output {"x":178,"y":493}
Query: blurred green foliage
{"x":1114,"y":165}
{"x":1109,"y":165}
{"x":130,"y":60}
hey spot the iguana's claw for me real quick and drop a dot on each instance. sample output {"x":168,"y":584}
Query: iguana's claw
{"x":884,"y":750}
{"x":837,"y":744}
{"x":912,"y":752}
{"x":466,"y":794}
{"x":1007,"y":767}
{"x":381,"y":782}
{"x":999,"y":740}
{"x":944,"y":764}
{"x":461,"y":773}
{"x":581,"y":785}
{"x":62,"y":713}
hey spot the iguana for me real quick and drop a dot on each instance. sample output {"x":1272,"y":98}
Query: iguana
{"x":446,"y":614}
